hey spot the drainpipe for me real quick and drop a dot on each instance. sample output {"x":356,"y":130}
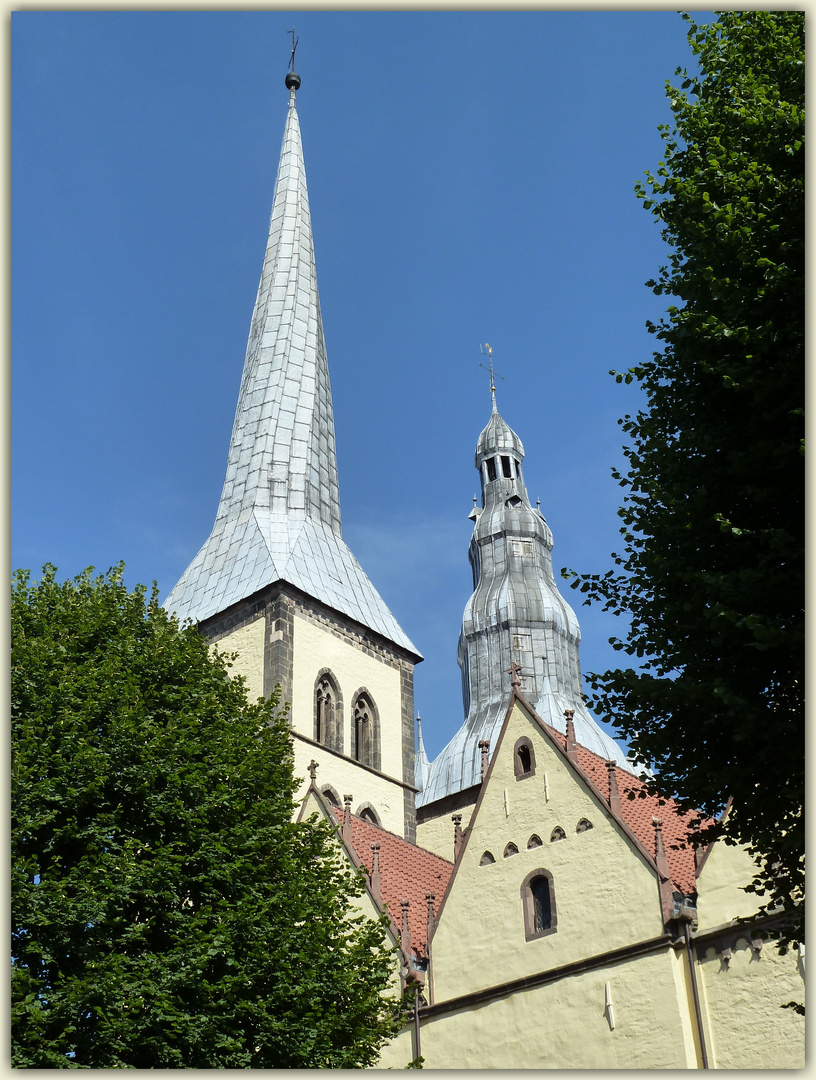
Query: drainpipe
{"x":695,"y":991}
{"x":418,"y":1053}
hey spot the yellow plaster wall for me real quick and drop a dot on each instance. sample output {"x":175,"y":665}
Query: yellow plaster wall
{"x":360,"y":905}
{"x":315,"y":648}
{"x":720,"y":893}
{"x":248,"y":642}
{"x":747,"y":1028}
{"x":564,"y":1025}
{"x":347,"y":778}
{"x":437,"y":834}
{"x":606,"y":895}
{"x":398,"y":1052}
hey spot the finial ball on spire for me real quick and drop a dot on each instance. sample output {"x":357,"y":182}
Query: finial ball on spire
{"x":292,"y":80}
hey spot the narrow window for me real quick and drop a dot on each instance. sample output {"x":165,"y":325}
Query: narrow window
{"x":534,"y":841}
{"x":487,"y":859}
{"x":557,"y":834}
{"x":511,"y":849}
{"x":365,"y":730}
{"x":523,"y":758}
{"x":331,"y":796}
{"x":583,"y":825}
{"x":507,"y":472}
{"x":328,"y":713}
{"x":491,"y":468}
{"x":538,"y":904}
{"x":542,"y":913}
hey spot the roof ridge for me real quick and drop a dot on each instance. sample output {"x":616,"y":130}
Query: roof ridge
{"x":338,"y":810}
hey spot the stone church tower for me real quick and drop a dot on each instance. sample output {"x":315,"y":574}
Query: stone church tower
{"x":275,"y":582}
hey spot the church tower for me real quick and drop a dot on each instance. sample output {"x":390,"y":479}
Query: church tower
{"x":516,"y":616}
{"x":275,"y":581}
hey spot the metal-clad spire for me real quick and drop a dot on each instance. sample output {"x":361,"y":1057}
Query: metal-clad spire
{"x":279,"y":513}
{"x":282,"y":455}
{"x":516,"y":619}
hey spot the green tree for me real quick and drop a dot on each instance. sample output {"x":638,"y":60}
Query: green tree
{"x":166,"y":910}
{"x":712,"y":569}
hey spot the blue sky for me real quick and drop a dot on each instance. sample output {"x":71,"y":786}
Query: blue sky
{"x":471,"y":179}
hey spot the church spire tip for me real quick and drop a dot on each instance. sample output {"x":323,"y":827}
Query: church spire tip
{"x":292,"y":78}
{"x":492,"y":374}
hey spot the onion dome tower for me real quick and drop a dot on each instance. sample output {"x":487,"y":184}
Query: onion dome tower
{"x":516,"y":615}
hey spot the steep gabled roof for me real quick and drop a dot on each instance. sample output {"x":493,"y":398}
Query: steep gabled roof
{"x":635,"y":816}
{"x":638,"y":813}
{"x":407,"y":872}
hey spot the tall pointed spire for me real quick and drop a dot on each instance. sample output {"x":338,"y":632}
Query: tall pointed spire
{"x":279,"y":513}
{"x":282,"y":454}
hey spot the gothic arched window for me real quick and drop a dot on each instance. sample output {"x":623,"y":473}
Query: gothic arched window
{"x":538,"y":903}
{"x":328,"y":712}
{"x":365,"y":730}
{"x":368,"y":813}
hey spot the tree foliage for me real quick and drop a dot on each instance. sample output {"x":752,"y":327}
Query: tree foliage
{"x":712,"y":569}
{"x":166,"y":910}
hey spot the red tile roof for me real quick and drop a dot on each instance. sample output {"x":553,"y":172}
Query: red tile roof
{"x":638,"y":813}
{"x":407,"y":872}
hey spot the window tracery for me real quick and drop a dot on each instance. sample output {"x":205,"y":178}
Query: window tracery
{"x":328,"y":712}
{"x":365,"y":730}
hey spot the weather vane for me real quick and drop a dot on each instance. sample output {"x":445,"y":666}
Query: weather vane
{"x":294,"y":46}
{"x":490,"y":368}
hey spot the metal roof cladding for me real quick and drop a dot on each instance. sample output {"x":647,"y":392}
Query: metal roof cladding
{"x":279,"y":514}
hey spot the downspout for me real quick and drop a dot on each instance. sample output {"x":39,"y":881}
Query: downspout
{"x":418,"y":1053}
{"x":695,"y":991}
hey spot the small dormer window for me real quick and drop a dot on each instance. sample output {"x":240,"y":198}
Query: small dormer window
{"x":491,"y":468}
{"x":507,"y":471}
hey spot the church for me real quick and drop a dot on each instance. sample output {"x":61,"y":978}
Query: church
{"x":547,"y":908}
